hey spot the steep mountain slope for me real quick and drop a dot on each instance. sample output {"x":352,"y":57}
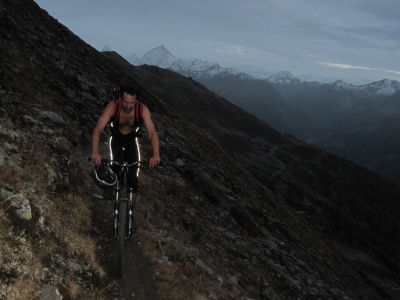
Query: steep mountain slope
{"x":330,"y":115}
{"x":370,"y":139}
{"x":237,"y":210}
{"x":331,"y":108}
{"x":357,"y":125}
{"x":259,"y":98}
{"x":350,"y":121}
{"x":322,"y":187}
{"x":343,"y":119}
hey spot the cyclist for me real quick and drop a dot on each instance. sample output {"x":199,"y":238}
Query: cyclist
{"x":123,"y":142}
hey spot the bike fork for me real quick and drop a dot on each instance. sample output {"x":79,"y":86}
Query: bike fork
{"x":115,"y":213}
{"x":130,"y":215}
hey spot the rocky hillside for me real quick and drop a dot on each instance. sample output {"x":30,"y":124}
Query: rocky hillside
{"x":236,"y":211}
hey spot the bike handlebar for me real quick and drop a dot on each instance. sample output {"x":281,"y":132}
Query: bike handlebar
{"x":124,"y":164}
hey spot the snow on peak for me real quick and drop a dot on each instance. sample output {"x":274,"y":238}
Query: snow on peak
{"x":343,"y":85}
{"x":133,"y":59}
{"x":281,"y":77}
{"x":199,"y":67}
{"x":382,"y":87}
{"x":159,"y":56}
{"x":385,"y":86}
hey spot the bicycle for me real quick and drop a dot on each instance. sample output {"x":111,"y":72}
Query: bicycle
{"x":123,"y":204}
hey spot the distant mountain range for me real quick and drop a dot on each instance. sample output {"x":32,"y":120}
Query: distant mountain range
{"x":357,"y":122}
{"x":161,"y":57}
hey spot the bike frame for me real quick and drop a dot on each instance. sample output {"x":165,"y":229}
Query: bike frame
{"x":122,"y":195}
{"x":123,"y":209}
{"x":123,"y":213}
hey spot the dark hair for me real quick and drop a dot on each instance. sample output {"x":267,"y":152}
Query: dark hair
{"x":130,"y":90}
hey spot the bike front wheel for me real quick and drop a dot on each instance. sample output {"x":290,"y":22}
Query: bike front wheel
{"x":122,"y":224}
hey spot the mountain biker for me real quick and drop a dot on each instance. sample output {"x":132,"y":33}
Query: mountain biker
{"x":123,"y":142}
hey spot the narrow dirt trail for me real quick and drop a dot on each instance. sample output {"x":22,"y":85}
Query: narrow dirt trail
{"x":282,"y":166}
{"x":138,"y":282}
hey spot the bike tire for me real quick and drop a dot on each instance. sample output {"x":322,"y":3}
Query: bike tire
{"x":122,"y":215}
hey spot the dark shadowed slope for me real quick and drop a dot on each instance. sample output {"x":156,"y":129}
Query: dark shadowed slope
{"x":236,"y":211}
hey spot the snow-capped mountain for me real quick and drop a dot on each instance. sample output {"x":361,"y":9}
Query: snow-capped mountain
{"x":341,"y":85}
{"x":161,"y":57}
{"x":133,"y":59}
{"x":158,"y":56}
{"x":282,"y":74}
{"x":199,"y":68}
{"x":382,"y":87}
{"x":283,"y":77}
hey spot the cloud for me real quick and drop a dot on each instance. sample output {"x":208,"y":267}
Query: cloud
{"x":234,"y":53}
{"x":346,"y":66}
{"x":276,"y":35}
{"x":230,"y":48}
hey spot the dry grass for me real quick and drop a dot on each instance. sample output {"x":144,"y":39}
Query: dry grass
{"x":77,"y":208}
{"x":34,"y":166}
{"x":4,"y":234}
{"x":23,"y":289}
{"x":19,"y":259}
{"x":85,"y":246}
{"x":61,"y":224}
{"x":66,"y":221}
{"x":74,"y":289}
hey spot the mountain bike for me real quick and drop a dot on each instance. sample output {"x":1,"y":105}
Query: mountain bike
{"x":123,"y":207}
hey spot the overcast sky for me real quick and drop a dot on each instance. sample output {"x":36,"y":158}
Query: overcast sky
{"x":344,"y":39}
